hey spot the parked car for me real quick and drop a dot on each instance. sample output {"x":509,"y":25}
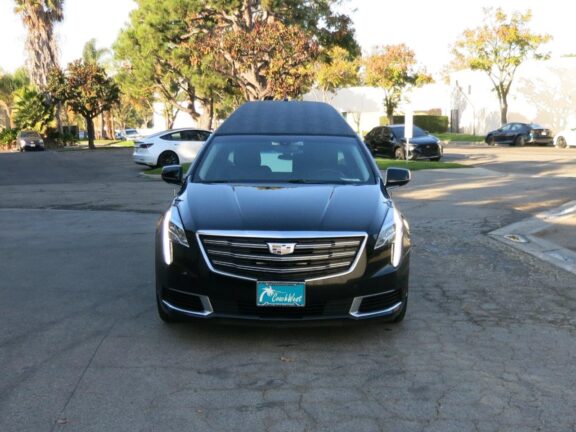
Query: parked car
{"x":285,"y":220}
{"x":520,"y":134}
{"x":389,"y":141}
{"x":29,"y":141}
{"x":565,"y":138}
{"x":132,"y":134}
{"x":169,"y":147}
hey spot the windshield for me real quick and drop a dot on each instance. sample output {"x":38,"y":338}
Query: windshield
{"x":284,"y":159}
{"x":29,"y":135}
{"x":399,"y":131}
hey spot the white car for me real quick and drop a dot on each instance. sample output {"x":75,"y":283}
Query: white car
{"x":565,"y":138}
{"x":171,"y":147}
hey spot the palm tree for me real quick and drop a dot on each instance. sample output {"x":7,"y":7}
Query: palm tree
{"x":39,"y":17}
{"x":93,"y":55}
{"x":9,"y":84}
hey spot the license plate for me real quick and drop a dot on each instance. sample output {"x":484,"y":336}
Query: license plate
{"x":291,"y":294}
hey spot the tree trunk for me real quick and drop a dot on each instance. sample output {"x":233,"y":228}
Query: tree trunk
{"x":90,"y":127}
{"x":503,"y":112}
{"x":206,"y":120}
{"x":110,"y":125}
{"x":59,"y":119}
{"x":390,"y":113}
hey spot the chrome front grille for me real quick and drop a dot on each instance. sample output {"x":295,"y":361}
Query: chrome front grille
{"x":250,"y":257}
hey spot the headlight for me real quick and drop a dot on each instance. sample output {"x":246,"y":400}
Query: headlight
{"x":392,"y":232}
{"x":172,"y":232}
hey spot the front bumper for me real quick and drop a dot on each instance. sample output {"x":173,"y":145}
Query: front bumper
{"x":32,"y":147}
{"x":425,"y":151}
{"x":188,"y":288}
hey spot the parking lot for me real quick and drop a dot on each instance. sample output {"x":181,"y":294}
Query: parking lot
{"x":488,"y":343}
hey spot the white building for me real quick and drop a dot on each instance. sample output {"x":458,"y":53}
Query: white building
{"x":364,"y":106}
{"x":542,"y":92}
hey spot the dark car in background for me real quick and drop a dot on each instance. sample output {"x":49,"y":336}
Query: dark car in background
{"x":29,"y":141}
{"x":389,"y":141}
{"x":283,"y":216}
{"x":520,"y":134}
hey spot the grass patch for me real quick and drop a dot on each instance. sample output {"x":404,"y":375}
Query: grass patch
{"x":108,"y":143}
{"x":158,"y":171}
{"x":449,"y":137}
{"x":417,"y":164}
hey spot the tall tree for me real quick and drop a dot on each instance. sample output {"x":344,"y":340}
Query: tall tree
{"x":32,"y":110}
{"x":499,"y":47}
{"x":267,"y":48}
{"x":394,"y":69}
{"x":39,"y":17}
{"x":87,"y":90}
{"x":9,"y":85}
{"x":93,"y":55}
{"x":157,"y":60}
{"x":338,"y":70}
{"x":219,"y":52}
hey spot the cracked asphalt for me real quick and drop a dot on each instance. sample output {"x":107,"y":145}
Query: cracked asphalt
{"x":488,"y":343}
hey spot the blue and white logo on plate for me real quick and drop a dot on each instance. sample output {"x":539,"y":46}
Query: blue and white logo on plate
{"x":280,"y":294}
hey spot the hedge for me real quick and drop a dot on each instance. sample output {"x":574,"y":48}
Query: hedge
{"x":431,"y":123}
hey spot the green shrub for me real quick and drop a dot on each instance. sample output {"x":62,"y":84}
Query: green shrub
{"x":431,"y":123}
{"x":8,"y":138}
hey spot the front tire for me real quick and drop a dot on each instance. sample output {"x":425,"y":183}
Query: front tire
{"x":490,"y":140}
{"x":435,"y":159}
{"x":561,"y":142}
{"x":168,"y":158}
{"x":520,"y":141}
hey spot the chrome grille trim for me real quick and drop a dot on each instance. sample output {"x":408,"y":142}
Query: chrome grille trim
{"x":282,"y":258}
{"x":234,"y":244}
{"x":348,"y":266}
{"x":280,"y":270}
{"x":328,"y":246}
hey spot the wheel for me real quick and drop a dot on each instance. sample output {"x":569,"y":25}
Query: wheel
{"x":435,"y":159}
{"x":165,"y":315}
{"x":399,"y":153}
{"x":520,"y":141}
{"x":561,"y":142}
{"x":402,"y":313}
{"x":168,"y":158}
{"x":490,"y":140}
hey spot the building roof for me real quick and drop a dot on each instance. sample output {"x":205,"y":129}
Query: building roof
{"x":285,"y":118}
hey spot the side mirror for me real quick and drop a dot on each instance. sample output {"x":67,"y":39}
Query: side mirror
{"x":172,"y":174}
{"x":397,"y":177}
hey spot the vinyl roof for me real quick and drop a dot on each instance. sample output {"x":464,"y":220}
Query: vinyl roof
{"x":285,"y":118}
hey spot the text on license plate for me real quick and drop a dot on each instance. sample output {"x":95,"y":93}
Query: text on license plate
{"x":281,"y":294}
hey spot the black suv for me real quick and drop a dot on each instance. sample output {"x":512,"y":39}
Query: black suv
{"x":389,"y":141}
{"x":284,"y":215}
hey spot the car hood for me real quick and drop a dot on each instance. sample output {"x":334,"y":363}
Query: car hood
{"x":283,"y":208}
{"x":423,"y":140}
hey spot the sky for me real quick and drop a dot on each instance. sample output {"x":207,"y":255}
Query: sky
{"x":428,"y":27}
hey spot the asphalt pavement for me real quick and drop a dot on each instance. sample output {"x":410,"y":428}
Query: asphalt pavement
{"x":488,"y":343}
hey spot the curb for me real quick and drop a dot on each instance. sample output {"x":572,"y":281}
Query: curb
{"x":150,"y":176}
{"x":522,"y":236}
